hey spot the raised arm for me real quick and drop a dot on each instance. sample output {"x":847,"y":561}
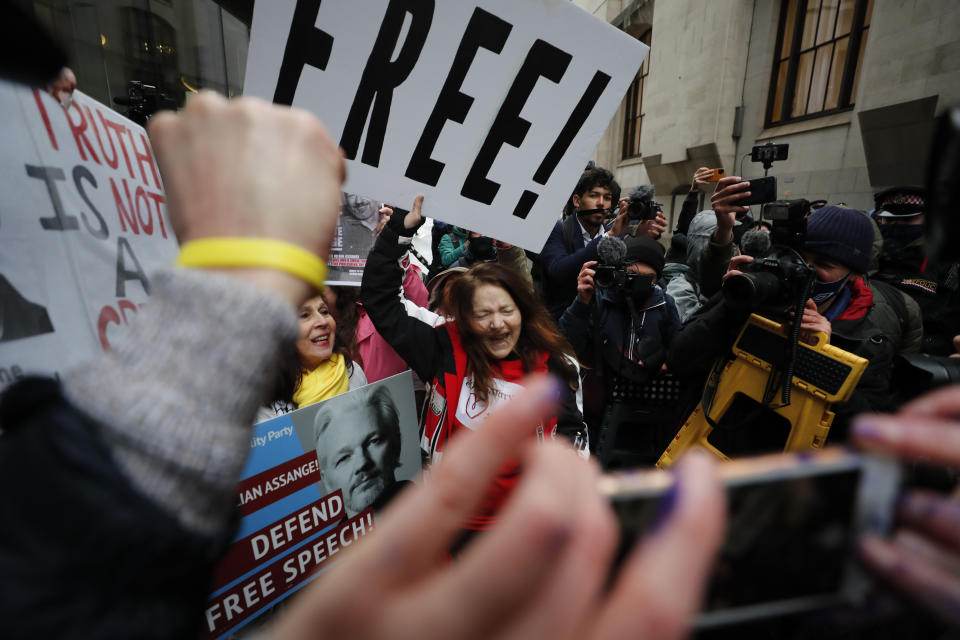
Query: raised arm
{"x":418,"y":343}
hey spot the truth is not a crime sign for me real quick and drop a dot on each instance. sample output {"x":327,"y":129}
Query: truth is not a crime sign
{"x":491,"y":109}
{"x":83,"y":224}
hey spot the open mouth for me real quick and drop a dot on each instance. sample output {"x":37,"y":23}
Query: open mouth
{"x":321,"y":340}
{"x":499,"y":342}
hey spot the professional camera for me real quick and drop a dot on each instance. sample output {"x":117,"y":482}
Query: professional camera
{"x":916,"y":373}
{"x":143,"y":100}
{"x":641,"y":205}
{"x":611,"y":273}
{"x":780,"y":280}
{"x":609,"y":276}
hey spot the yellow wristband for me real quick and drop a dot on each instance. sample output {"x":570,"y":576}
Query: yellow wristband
{"x":254,"y":252}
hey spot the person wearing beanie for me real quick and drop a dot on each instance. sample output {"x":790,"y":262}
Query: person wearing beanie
{"x":620,"y":325}
{"x":871,"y":320}
{"x":900,"y":213}
{"x":574,"y":240}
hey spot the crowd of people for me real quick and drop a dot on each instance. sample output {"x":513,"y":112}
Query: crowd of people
{"x":140,"y":449}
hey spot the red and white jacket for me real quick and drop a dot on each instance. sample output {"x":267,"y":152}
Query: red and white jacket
{"x":436,"y":353}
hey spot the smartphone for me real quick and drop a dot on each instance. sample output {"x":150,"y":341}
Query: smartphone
{"x":793,"y":521}
{"x":717,"y":174}
{"x":761,"y":190}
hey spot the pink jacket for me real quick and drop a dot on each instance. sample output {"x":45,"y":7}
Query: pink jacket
{"x":379,"y":359}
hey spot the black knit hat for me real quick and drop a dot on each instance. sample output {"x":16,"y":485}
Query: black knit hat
{"x":645,"y":250}
{"x":845,"y":235}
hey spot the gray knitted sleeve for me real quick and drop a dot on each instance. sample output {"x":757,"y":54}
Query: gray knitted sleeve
{"x":177,"y":393}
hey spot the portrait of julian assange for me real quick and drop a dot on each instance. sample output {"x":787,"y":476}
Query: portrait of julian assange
{"x":358,"y":444}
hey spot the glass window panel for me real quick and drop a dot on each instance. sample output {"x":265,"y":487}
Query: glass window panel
{"x":828,"y":19}
{"x":821,"y":73}
{"x":836,"y":74}
{"x":236,"y":37}
{"x":823,"y":55}
{"x":788,"y":28}
{"x":204,"y":64}
{"x":804,"y":71}
{"x":633,"y":111}
{"x":845,"y":17}
{"x":810,"y":24}
{"x":778,"y":96}
{"x":171,"y":45}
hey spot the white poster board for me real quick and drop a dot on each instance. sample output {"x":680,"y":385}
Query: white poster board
{"x":83,"y":223}
{"x":490,"y":109}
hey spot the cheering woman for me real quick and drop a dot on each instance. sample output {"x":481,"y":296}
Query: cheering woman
{"x":500,"y":333}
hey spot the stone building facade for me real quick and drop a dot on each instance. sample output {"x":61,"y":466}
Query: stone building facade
{"x":715,"y":86}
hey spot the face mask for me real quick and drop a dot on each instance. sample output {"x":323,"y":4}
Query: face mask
{"x":901,"y":235}
{"x":823,"y":291}
{"x":639,"y":288}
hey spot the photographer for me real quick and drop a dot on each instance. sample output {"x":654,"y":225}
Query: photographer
{"x":870,"y":321}
{"x":452,"y":245}
{"x":620,"y":323}
{"x":574,"y":240}
{"x":478,"y":248}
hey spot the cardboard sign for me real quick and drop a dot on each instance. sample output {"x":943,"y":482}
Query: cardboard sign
{"x":312,"y":486}
{"x":490,"y":109}
{"x":83,"y":223}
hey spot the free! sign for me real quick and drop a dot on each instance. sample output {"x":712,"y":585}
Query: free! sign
{"x":491,"y":109}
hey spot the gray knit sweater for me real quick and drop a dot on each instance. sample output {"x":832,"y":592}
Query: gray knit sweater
{"x":178,"y":391}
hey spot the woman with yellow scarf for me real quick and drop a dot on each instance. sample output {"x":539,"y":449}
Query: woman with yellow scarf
{"x":323,"y":365}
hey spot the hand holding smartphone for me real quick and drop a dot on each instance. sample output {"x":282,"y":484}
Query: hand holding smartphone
{"x":716,"y":175}
{"x":762,"y":190}
{"x":792,"y":527}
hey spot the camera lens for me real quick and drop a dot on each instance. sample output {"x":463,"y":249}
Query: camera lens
{"x":604,"y":278}
{"x":748,"y":290}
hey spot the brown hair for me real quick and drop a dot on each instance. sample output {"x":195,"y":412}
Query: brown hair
{"x":344,"y":343}
{"x":538,"y":332}
{"x":344,"y":311}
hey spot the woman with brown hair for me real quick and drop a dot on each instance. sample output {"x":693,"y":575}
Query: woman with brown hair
{"x":500,"y":334}
{"x":319,"y":365}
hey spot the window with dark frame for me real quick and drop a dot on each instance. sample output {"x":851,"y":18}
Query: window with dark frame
{"x":817,"y":61}
{"x":633,"y":113}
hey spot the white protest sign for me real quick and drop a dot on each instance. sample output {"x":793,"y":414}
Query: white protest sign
{"x":491,"y":109}
{"x":83,"y":223}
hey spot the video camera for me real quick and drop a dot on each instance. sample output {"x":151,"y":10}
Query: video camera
{"x":144,"y":100}
{"x":777,"y":282}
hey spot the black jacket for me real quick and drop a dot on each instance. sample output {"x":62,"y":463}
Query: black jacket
{"x":76,"y":557}
{"x":711,"y":332}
